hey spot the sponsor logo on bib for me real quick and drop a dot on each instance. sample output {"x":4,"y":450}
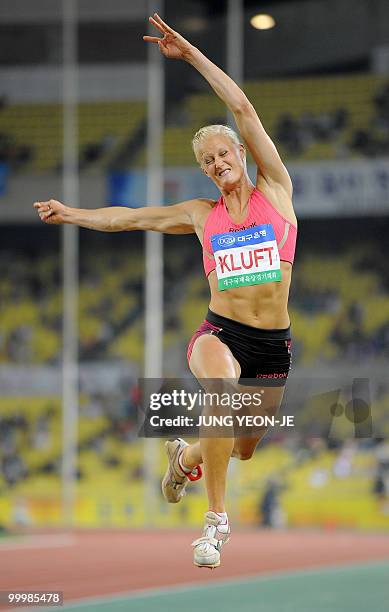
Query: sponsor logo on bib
{"x":225,"y":240}
{"x":248,"y":257}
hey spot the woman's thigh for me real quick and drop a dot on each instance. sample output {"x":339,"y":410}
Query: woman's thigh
{"x":211,"y":358}
{"x":217,"y":370}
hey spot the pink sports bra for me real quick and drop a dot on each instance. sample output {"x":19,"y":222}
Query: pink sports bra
{"x":260,"y":211}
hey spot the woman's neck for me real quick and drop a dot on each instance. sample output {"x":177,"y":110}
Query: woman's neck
{"x":237,"y":199}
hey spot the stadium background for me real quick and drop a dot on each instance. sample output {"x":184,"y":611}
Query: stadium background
{"x":320,"y":83}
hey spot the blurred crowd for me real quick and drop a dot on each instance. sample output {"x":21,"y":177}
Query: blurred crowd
{"x":17,"y":433}
{"x":297,"y":134}
{"x":345,"y":466}
{"x":111,"y":307}
{"x":374,"y":141}
{"x":24,"y":436}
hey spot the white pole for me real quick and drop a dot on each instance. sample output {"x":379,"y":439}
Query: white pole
{"x":70,"y":263}
{"x":235,"y":52}
{"x":235,"y":45}
{"x":154,"y":253}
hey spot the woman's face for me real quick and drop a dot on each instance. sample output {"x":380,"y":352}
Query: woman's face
{"x":223,"y":161}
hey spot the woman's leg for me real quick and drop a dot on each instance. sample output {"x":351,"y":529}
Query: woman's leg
{"x":213,"y":364}
{"x":244,"y":447}
{"x":271,"y":398}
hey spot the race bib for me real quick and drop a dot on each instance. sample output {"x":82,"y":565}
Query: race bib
{"x":247,"y":257}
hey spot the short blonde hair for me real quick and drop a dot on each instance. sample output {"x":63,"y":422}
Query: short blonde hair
{"x":212,"y":130}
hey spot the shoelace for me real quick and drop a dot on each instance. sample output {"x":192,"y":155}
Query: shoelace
{"x":209,"y":538}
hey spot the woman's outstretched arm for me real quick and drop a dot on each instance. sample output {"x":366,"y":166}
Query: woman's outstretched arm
{"x":261,"y":147}
{"x":175,"y":219}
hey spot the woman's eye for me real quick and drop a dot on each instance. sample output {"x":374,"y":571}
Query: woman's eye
{"x":223,"y":153}
{"x":208,"y":161}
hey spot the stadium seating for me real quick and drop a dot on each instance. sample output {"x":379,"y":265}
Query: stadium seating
{"x":325,"y":291}
{"x":103,"y":127}
{"x":111,"y":488}
{"x":324,"y":113}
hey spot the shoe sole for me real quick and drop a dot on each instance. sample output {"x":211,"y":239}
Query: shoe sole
{"x":207,"y":566}
{"x":214,"y":566}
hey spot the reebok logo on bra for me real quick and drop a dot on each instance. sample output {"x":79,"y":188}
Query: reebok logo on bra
{"x":240,"y":229}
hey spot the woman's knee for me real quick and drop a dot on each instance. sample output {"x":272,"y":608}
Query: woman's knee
{"x":243,"y":453}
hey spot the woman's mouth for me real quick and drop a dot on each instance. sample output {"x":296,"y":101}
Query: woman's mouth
{"x":224,"y":172}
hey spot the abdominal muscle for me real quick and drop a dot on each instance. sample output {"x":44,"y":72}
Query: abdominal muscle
{"x":264,"y":306}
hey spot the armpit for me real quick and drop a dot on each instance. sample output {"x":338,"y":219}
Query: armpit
{"x":209,"y":255}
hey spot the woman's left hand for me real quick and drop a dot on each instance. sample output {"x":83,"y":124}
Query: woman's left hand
{"x":172,"y":45}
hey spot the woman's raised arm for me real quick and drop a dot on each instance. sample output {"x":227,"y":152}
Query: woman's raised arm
{"x":260,"y":145}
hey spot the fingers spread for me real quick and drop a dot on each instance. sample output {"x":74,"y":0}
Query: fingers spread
{"x":157,"y":25}
{"x":163,"y":24}
{"x":153,"y":39}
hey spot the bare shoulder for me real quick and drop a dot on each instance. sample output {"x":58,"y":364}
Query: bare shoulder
{"x":199,"y":208}
{"x":200,"y":204}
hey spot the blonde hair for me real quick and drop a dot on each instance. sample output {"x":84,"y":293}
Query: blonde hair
{"x":212,"y":130}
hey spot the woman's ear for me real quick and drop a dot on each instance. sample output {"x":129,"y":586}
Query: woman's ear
{"x":242,"y":151}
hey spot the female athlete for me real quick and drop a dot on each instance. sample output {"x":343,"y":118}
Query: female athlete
{"x":248,"y":238}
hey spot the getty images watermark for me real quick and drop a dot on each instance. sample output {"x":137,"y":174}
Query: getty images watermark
{"x":337,"y":408}
{"x":189,"y":401}
{"x":210,"y":408}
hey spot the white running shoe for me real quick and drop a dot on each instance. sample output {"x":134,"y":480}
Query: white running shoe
{"x":175,"y":479}
{"x":207,"y":549}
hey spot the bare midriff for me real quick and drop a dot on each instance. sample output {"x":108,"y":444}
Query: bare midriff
{"x":264,"y":306}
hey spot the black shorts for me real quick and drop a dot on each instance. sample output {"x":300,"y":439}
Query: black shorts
{"x":263,"y":354}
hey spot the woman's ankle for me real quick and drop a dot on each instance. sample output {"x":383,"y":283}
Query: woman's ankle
{"x":186,"y":461}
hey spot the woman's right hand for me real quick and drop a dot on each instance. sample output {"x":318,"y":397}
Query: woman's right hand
{"x":51,"y":212}
{"x":172,"y":45}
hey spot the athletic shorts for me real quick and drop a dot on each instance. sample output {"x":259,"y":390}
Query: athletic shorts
{"x":263,"y":354}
